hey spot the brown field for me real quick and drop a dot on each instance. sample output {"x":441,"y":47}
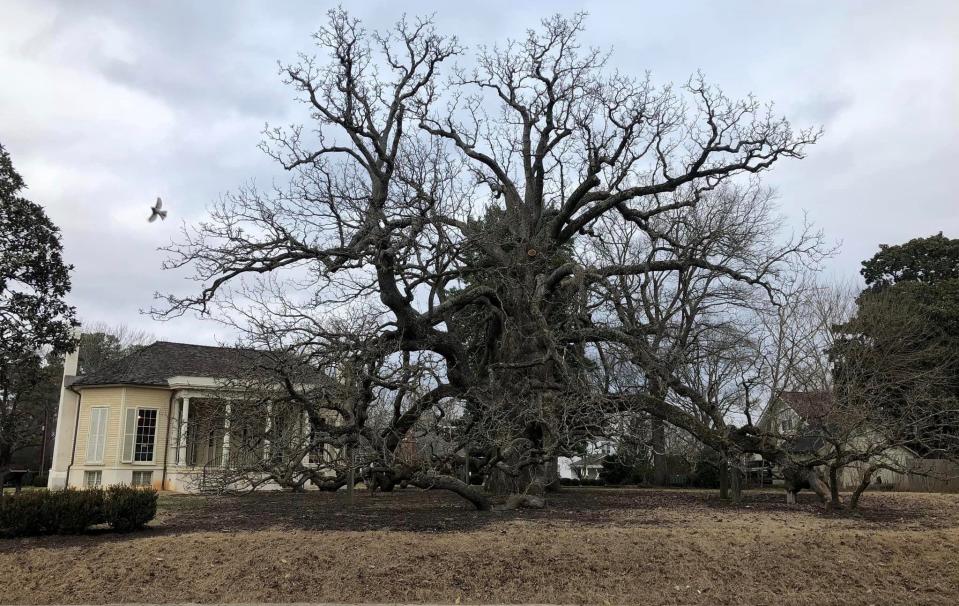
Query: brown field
{"x":590,"y":546}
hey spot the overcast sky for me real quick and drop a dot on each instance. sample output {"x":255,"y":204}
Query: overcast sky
{"x":106,"y":105}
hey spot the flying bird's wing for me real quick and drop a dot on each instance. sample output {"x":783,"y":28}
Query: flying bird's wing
{"x":153,"y":216}
{"x":159,"y":203}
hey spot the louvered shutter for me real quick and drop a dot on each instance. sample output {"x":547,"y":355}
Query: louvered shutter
{"x":129,"y":435}
{"x":97,"y":434}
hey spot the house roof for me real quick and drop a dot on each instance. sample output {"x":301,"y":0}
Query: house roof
{"x":155,"y":364}
{"x":810,"y":405}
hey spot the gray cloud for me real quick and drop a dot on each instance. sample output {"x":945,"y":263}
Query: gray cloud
{"x":106,"y":105}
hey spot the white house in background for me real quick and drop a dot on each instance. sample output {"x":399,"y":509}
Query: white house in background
{"x":588,"y":465}
{"x":153,"y":418}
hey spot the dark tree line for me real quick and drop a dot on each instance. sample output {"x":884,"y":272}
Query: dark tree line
{"x":35,"y":322}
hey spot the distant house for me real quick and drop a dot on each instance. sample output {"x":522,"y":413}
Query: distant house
{"x":800,"y":417}
{"x":152,"y":418}
{"x":588,"y":465}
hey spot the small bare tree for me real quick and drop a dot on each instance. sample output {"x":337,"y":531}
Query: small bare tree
{"x":874,"y":377}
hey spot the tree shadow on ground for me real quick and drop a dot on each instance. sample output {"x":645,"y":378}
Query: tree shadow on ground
{"x":414,"y":510}
{"x":429,"y":511}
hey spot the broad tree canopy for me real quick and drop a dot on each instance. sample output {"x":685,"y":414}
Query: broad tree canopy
{"x":510,"y":243}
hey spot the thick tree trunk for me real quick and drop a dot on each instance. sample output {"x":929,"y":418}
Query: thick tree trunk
{"x":350,"y":477}
{"x":834,"y":486}
{"x":863,"y":485}
{"x":723,"y":479}
{"x":736,"y":481}
{"x":552,"y":475}
{"x":819,"y":487}
{"x":660,"y":463}
{"x":474,"y":495}
{"x":523,"y":501}
{"x":500,"y":482}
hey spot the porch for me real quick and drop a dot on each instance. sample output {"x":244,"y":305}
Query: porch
{"x":214,"y":438}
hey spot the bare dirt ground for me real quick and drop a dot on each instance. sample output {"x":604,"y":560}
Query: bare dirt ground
{"x":590,"y":546}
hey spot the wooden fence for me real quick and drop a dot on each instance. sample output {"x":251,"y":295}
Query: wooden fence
{"x":932,"y":475}
{"x":914,"y":475}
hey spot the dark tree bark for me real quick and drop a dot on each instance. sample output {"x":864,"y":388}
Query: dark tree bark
{"x":863,"y":485}
{"x":477,"y":497}
{"x":834,"y":486}
{"x":736,"y":484}
{"x":660,"y":460}
{"x":723,"y":478}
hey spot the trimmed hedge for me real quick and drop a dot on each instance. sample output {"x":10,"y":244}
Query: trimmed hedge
{"x":23,"y":514}
{"x":71,"y":511}
{"x":127,"y":508}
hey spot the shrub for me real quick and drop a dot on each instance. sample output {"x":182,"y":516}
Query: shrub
{"x":706,"y":470}
{"x":620,"y":470}
{"x":615,"y":470}
{"x":22,"y":514}
{"x":128,"y":508}
{"x":72,"y":511}
{"x":43,"y":512}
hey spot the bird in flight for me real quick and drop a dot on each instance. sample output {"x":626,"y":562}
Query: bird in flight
{"x":156,"y":212}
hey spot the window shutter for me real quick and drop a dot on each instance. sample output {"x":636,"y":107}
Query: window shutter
{"x":92,"y":435}
{"x":97,"y":435}
{"x":129,"y":433}
{"x":104,"y":424}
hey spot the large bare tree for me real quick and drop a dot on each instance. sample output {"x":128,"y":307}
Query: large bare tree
{"x":476,"y":246}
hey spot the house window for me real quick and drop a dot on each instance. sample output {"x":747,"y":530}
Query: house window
{"x":142,"y":478}
{"x":97,"y":437}
{"x":146,"y":434}
{"x":787,"y":424}
{"x":92,"y":479}
{"x":139,"y":435}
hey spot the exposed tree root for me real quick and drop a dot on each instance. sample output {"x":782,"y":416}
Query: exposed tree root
{"x":522,"y":501}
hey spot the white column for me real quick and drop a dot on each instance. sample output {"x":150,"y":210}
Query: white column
{"x":67,"y":411}
{"x":173,"y":439}
{"x":225,"y":457}
{"x":184,"y":426}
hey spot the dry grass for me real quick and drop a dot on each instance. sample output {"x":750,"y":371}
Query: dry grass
{"x":591,"y":546}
